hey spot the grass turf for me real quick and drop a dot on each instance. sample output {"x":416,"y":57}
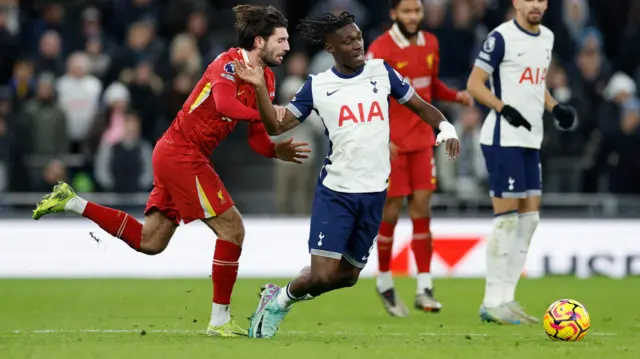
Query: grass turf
{"x":120,"y":318}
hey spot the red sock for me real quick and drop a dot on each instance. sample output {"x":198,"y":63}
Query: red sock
{"x":224,"y":270}
{"x":385,"y":245}
{"x":117,"y":223}
{"x":422,"y":244}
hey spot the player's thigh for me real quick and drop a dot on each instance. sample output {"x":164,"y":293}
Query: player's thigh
{"x":196,"y":190}
{"x":332,"y":218}
{"x":228,"y":226}
{"x":157,"y":231}
{"x":422,"y":170}
{"x":363,"y":235}
{"x":399,"y":178}
{"x":507,"y":176}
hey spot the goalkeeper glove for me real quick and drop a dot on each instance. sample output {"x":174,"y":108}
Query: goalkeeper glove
{"x":566,"y":116}
{"x":514,"y":117}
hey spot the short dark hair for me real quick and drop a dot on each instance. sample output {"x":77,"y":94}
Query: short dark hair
{"x":394,"y":3}
{"x":317,"y":28}
{"x":255,"y":20}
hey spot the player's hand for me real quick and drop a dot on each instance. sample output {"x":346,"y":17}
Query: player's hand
{"x":465,"y":98}
{"x":514,"y":117}
{"x":281,"y":112}
{"x":566,"y":116}
{"x":290,"y":151}
{"x":251,"y":74}
{"x":450,"y":137}
{"x":393,"y":150}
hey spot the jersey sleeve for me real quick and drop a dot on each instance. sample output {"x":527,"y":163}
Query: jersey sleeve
{"x":492,"y":52}
{"x":302,"y":103}
{"x":400,"y":89}
{"x":222,"y":71}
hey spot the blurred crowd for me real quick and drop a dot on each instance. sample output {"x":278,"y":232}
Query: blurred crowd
{"x":87,"y":87}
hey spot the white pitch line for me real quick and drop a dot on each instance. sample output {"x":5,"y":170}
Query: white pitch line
{"x":191,"y":331}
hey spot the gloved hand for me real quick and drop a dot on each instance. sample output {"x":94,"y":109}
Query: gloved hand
{"x":566,"y":116}
{"x":514,"y":117}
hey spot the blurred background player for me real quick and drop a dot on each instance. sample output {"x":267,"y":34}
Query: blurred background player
{"x":186,"y":187}
{"x":352,"y":99}
{"x":415,"y":54}
{"x":515,"y":58}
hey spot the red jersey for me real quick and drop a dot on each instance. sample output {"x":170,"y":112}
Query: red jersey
{"x":418,"y":64}
{"x":201,"y":124}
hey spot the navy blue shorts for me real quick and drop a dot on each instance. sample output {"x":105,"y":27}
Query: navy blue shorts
{"x":514,"y":172}
{"x":345,"y":224}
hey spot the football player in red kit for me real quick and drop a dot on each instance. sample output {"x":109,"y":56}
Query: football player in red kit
{"x":415,"y":55}
{"x":186,"y":186}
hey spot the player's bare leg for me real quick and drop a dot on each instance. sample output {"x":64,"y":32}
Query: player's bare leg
{"x":324,"y":275}
{"x":150,"y":238}
{"x":503,"y":234}
{"x":422,"y":247}
{"x":529,"y":216}
{"x":384,"y":282}
{"x":229,"y":228}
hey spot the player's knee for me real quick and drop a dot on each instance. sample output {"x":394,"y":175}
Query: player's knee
{"x":349,"y":280}
{"x":391,"y":210}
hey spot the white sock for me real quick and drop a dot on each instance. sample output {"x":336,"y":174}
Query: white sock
{"x":285,"y":299}
{"x":424,"y":282}
{"x":518,"y":252}
{"x":220,"y":314}
{"x":76,"y":204}
{"x":502,"y":236}
{"x":384,"y":282}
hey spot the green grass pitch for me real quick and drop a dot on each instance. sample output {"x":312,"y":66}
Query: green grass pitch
{"x":119,"y":318}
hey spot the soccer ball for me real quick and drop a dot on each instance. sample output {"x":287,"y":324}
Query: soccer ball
{"x":566,"y":320}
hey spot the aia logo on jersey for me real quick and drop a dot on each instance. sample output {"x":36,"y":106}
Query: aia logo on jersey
{"x":347,"y":114}
{"x":533,"y":76}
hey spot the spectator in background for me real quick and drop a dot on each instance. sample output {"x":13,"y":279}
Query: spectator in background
{"x":466,"y":177}
{"x":145,"y":87}
{"x":50,"y":57}
{"x":198,"y":27}
{"x":175,"y":96}
{"x":125,"y":166}
{"x":457,"y":40}
{"x":184,"y":56}
{"x":10,"y":156}
{"x":53,"y":172}
{"x":141,"y":45}
{"x":99,"y":60}
{"x":79,"y":96}
{"x":44,"y":121}
{"x":8,"y":47}
{"x":619,"y":122}
{"x":52,"y":17}
{"x":22,"y":83}
{"x":109,"y":124}
{"x":570,"y":31}
{"x":295,"y":183}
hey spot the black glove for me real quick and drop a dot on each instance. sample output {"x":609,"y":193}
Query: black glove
{"x":514,"y":117}
{"x":565,"y":115}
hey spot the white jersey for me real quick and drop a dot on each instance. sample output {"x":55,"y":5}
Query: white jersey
{"x":355,"y":112}
{"x":518,"y":62}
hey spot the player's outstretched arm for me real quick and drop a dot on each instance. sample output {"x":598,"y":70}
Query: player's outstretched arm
{"x":275,"y":121}
{"x":436,"y":119}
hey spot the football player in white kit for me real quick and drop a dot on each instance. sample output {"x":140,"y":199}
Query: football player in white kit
{"x":352,"y":100}
{"x":514,"y":58}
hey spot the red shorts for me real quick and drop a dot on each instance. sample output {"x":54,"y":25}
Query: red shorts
{"x":184,"y":189}
{"x":411,"y":172}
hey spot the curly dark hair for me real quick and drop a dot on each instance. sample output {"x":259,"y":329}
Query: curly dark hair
{"x":317,"y":28}
{"x":255,"y":20}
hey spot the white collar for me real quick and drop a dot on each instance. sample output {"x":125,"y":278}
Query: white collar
{"x":401,"y":40}
{"x":245,"y":56}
